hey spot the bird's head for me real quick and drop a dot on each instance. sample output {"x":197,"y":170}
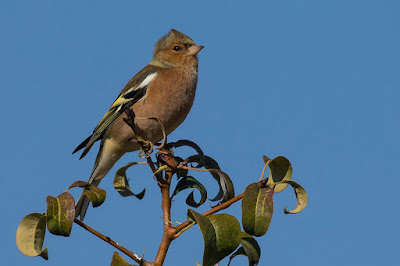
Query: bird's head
{"x":175,"y":49}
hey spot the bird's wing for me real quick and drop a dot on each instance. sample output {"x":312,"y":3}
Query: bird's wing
{"x":133,"y":92}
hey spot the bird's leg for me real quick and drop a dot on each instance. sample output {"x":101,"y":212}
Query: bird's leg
{"x":146,"y":146}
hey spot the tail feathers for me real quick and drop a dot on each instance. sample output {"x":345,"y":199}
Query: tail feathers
{"x":87,"y":145}
{"x":82,"y":145}
{"x":83,"y":203}
{"x":106,"y":158}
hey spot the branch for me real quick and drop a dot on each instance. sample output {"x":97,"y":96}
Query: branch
{"x":164,"y":184}
{"x":216,"y":209}
{"x":169,"y":231}
{"x":127,"y":252}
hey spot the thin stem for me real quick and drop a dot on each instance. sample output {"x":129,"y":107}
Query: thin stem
{"x":154,"y":169}
{"x":263,"y":171}
{"x":212,"y":211}
{"x":183,"y":230}
{"x":127,"y":252}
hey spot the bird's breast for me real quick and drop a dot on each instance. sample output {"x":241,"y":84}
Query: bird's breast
{"x":169,"y":98}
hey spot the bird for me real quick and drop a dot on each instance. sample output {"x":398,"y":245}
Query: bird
{"x":164,"y":89}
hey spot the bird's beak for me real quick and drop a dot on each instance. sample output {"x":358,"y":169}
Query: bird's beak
{"x":195,"y":49}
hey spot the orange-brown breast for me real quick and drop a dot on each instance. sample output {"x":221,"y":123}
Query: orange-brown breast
{"x":169,"y":97}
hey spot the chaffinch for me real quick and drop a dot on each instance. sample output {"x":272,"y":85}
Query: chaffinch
{"x":164,"y":89}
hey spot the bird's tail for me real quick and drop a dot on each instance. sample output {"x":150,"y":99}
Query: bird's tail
{"x":83,"y":203}
{"x":105,"y":160}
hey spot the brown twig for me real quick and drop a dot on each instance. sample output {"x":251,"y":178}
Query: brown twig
{"x":212,"y":211}
{"x":168,"y":231}
{"x":158,"y":176}
{"x":127,"y":252}
{"x":164,"y":184}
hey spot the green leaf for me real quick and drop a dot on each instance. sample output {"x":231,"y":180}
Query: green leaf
{"x":82,"y":184}
{"x":205,"y":161}
{"x":226,"y":188}
{"x":117,"y":260}
{"x":96,"y":195}
{"x":225,"y":184}
{"x":60,"y":214}
{"x":221,"y":233}
{"x":239,"y":251}
{"x":30,"y":235}
{"x":280,"y":169}
{"x":301,"y":196}
{"x":191,"y":182}
{"x":184,"y":142}
{"x":251,"y":248}
{"x":257,"y":209}
{"x":121,"y":183}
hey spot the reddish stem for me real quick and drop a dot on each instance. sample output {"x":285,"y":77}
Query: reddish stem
{"x":168,"y":231}
{"x":213,"y":210}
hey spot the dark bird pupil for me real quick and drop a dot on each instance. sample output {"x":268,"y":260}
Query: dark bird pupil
{"x":177,"y":48}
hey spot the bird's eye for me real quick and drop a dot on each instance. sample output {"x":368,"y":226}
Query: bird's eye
{"x":176,"y":48}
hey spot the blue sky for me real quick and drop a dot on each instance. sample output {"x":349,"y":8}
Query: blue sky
{"x":315,"y":81}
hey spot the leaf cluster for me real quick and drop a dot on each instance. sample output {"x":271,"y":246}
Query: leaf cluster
{"x":223,"y":234}
{"x":59,"y":219}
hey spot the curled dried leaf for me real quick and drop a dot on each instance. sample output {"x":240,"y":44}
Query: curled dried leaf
{"x":121,"y":183}
{"x":30,"y":235}
{"x":301,"y":197}
{"x":226,"y":188}
{"x":184,"y":142}
{"x":190,"y":182}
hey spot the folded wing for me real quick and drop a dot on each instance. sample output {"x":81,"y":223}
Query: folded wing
{"x":133,"y":92}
